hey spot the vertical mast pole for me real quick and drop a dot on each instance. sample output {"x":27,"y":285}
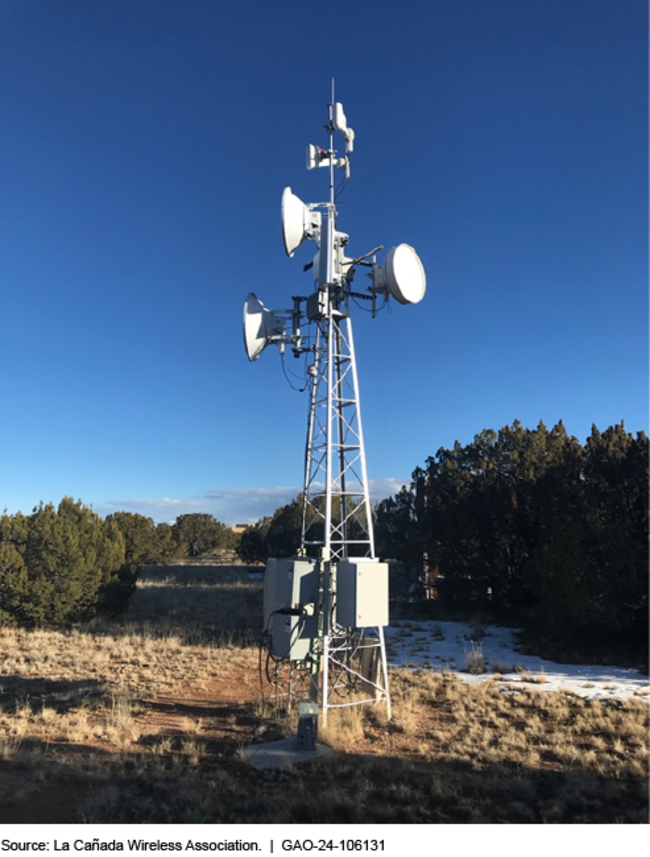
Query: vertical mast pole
{"x":328,"y":235}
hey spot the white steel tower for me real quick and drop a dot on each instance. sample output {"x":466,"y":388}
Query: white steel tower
{"x":325,"y":609}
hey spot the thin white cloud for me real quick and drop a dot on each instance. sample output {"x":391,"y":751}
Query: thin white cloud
{"x":231,"y":505}
{"x":380,"y":489}
{"x":161,"y":509}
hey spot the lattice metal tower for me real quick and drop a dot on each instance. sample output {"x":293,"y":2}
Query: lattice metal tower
{"x":326,"y":609}
{"x":337,"y":515}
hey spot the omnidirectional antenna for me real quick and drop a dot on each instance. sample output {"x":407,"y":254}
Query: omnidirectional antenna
{"x":325,"y":609}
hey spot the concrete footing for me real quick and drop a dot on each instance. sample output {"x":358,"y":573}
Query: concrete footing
{"x":277,"y":754}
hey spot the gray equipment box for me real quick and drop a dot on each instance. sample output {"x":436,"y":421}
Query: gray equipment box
{"x":362,"y":593}
{"x":288,"y":584}
{"x":307,"y":726}
{"x":317,"y":307}
{"x":291,"y":635}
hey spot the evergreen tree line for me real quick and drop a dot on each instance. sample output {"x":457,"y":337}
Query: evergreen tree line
{"x":276,"y":535}
{"x":528,"y":526}
{"x":191,"y":535}
{"x":533,"y":526}
{"x":67,"y":564}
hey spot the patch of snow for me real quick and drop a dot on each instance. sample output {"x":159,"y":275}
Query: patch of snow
{"x":447,"y":645}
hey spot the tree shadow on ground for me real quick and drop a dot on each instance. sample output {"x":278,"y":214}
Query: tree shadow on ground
{"x":340,"y":789}
{"x":38,"y":693}
{"x":239,"y":712}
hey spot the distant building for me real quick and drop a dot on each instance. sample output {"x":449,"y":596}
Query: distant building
{"x":239,"y":528}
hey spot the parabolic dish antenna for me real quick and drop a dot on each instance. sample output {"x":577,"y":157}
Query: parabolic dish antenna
{"x":260,"y":325}
{"x":298,"y":222}
{"x":403,"y":274}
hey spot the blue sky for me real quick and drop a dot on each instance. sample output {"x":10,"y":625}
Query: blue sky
{"x":144,"y":149}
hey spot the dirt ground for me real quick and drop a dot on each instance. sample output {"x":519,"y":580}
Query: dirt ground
{"x":222,"y":708}
{"x":51,"y":782}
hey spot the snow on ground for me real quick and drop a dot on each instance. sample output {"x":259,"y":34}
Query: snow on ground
{"x":456,"y":646}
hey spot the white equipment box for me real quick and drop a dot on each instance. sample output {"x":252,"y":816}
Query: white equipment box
{"x":362,"y":593}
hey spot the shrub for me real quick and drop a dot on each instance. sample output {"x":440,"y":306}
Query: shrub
{"x":58,"y":566}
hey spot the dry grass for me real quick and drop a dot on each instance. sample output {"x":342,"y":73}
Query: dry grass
{"x":475,"y":660}
{"x":553,"y":731}
{"x":454,"y":753}
{"x":142,"y":722}
{"x":344,"y":728}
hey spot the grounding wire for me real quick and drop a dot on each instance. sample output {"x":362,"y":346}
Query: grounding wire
{"x":306,"y":379}
{"x":289,"y":381}
{"x":377,"y":311}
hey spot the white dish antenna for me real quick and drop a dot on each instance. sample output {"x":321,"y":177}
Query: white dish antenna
{"x":402,"y":275}
{"x":261,"y":327}
{"x":298,"y":221}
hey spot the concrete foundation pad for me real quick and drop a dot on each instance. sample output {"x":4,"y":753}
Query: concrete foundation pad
{"x":277,"y":754}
